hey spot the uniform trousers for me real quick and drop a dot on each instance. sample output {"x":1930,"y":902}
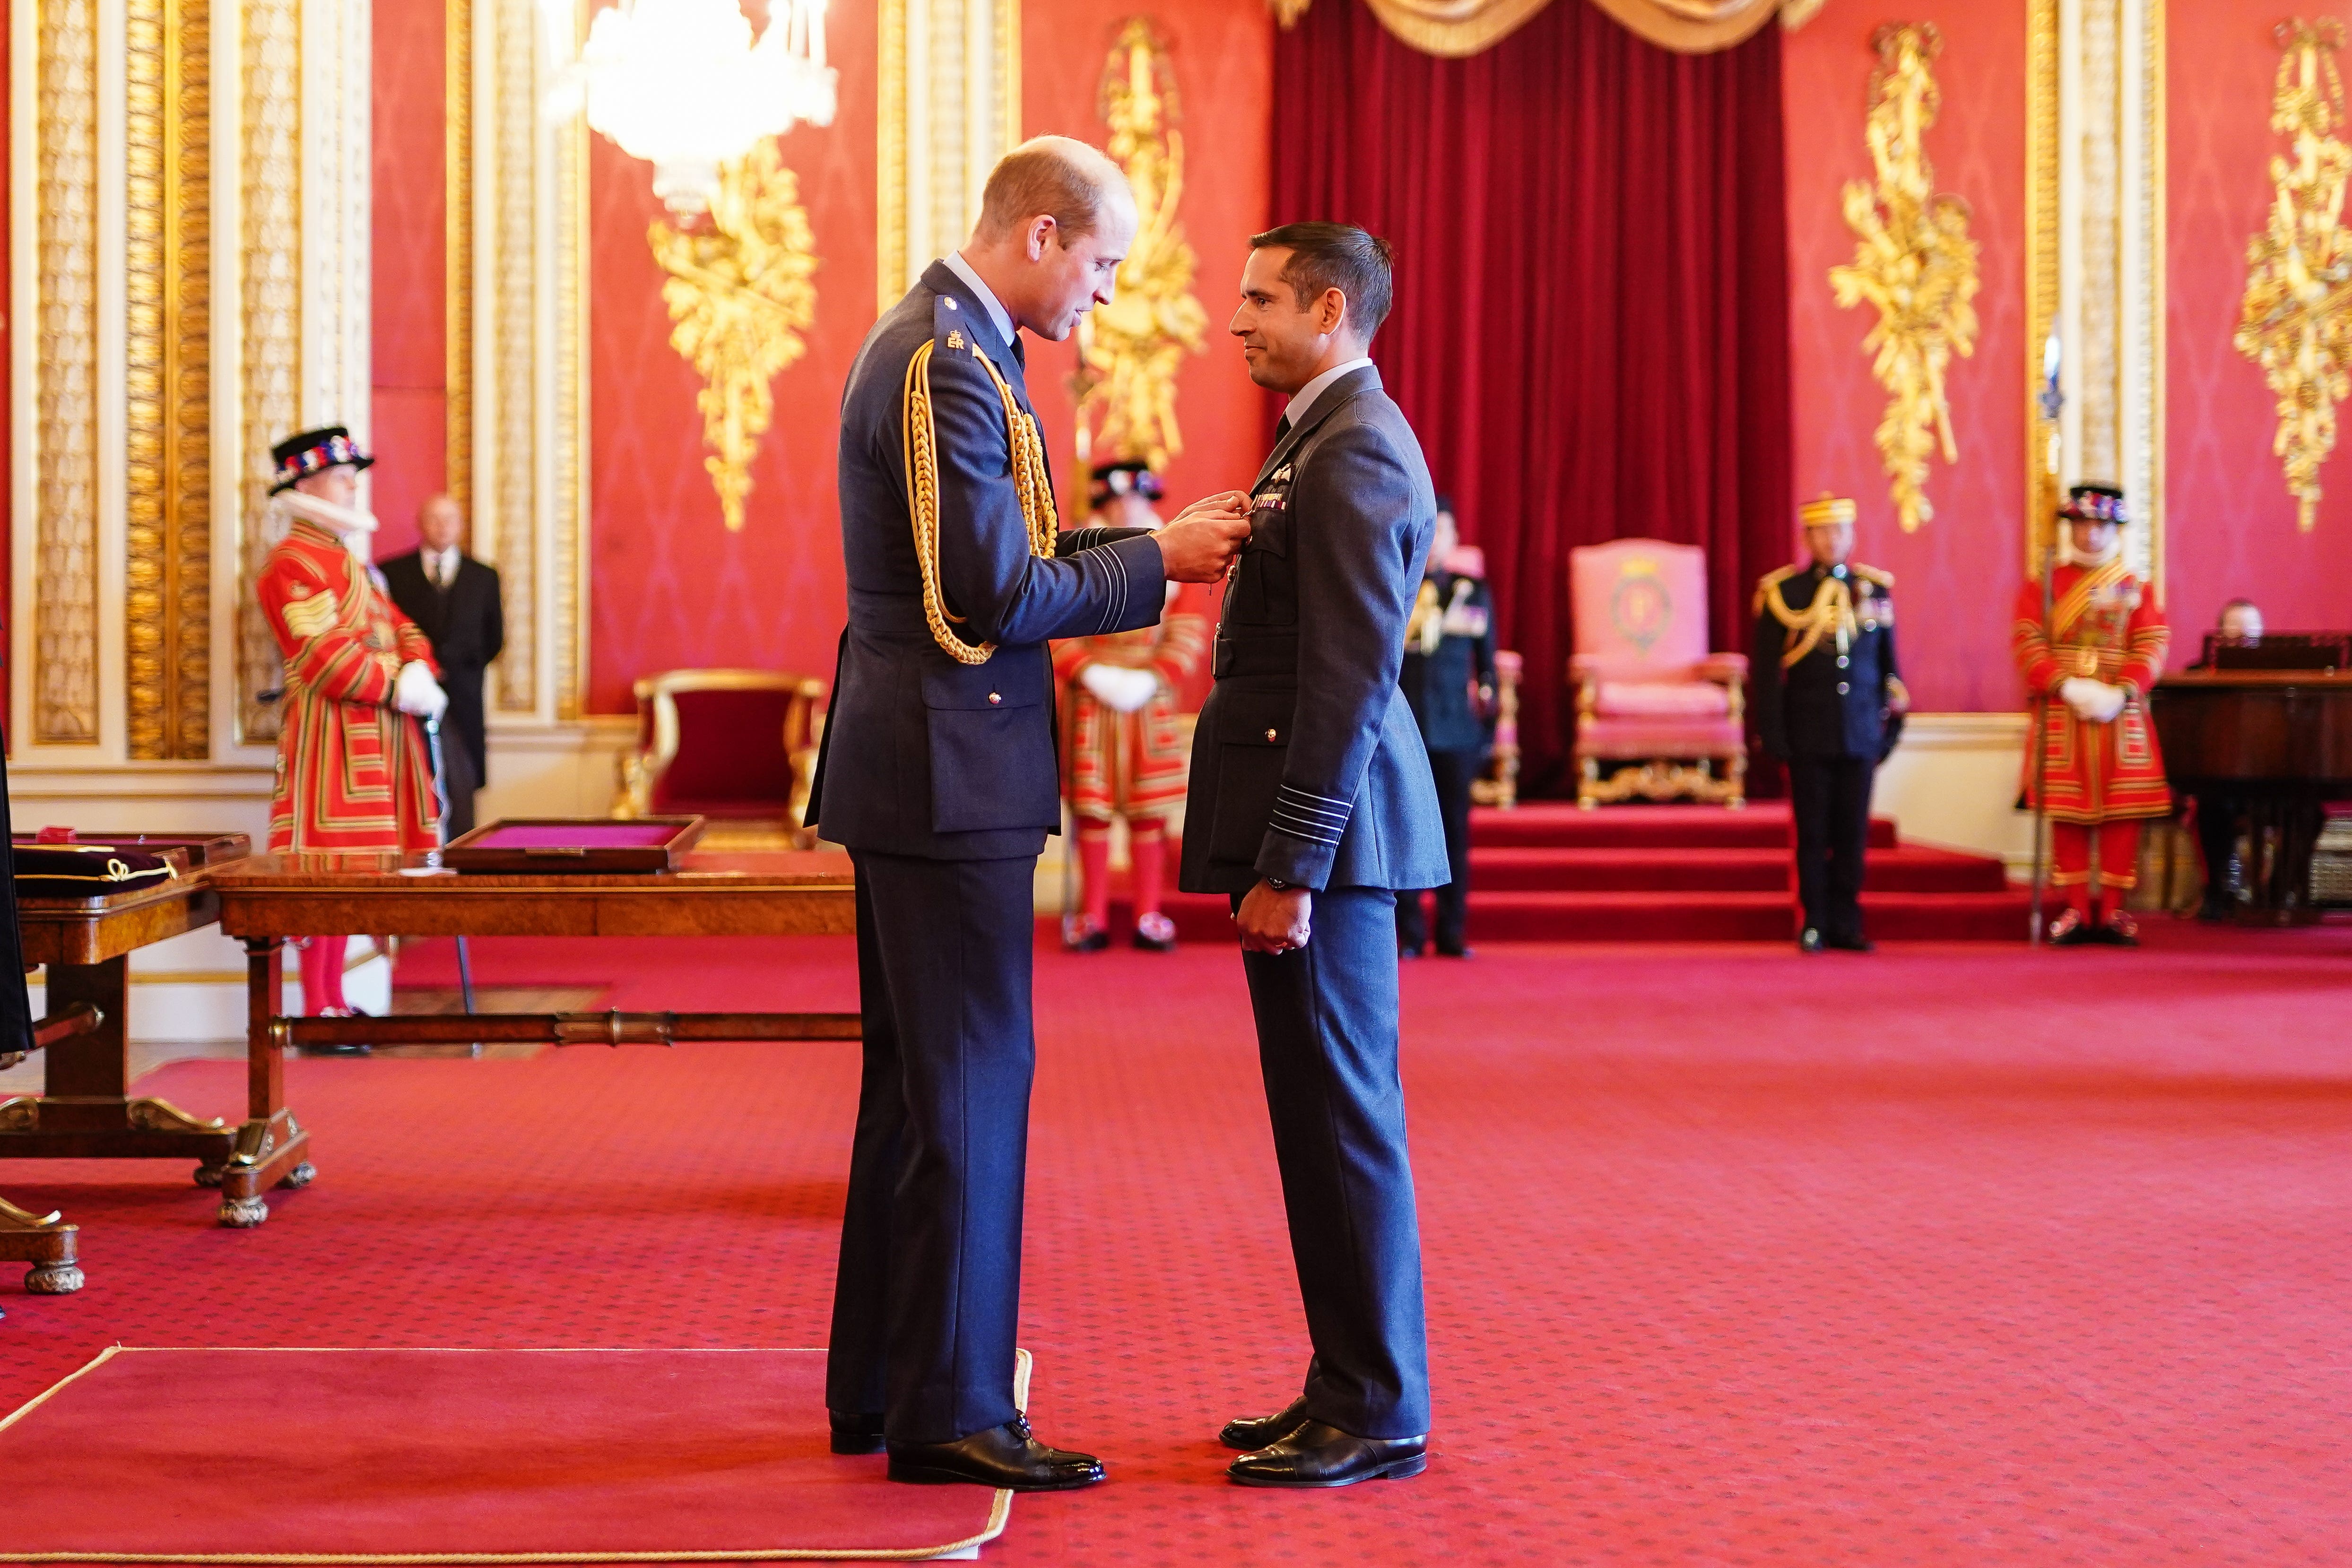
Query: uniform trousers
{"x":1327,"y":1042}
{"x":1454,"y":771}
{"x":2070,"y":856}
{"x":1830,"y":798}
{"x":929,"y":1281}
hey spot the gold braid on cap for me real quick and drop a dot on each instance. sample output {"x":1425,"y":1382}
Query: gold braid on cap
{"x":921,"y":444}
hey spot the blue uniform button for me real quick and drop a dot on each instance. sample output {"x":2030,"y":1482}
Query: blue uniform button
{"x":1841,"y":688}
{"x":1844,"y":661}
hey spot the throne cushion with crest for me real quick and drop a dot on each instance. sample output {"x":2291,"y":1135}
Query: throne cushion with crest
{"x":1648,"y":691}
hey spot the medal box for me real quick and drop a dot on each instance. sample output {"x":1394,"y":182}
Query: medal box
{"x":534,"y":846}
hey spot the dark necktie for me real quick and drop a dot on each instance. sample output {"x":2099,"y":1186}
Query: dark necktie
{"x":1281,"y":429}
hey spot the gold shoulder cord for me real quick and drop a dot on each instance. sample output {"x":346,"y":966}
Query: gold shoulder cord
{"x":922,"y":458}
{"x":1831,"y":610}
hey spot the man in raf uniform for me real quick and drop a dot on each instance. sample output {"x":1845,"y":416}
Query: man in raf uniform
{"x":1448,"y":677}
{"x":1829,"y":705}
{"x":2091,"y":667}
{"x":1312,"y":808}
{"x":937,"y":773}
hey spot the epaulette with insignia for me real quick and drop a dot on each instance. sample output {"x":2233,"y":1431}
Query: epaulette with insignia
{"x":1767,"y":583}
{"x":1871,"y":574}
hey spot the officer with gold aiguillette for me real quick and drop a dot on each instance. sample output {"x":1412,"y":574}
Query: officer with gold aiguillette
{"x":1829,"y":705}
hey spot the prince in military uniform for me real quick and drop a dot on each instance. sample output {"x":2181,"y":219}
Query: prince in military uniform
{"x":937,"y":773}
{"x":1829,"y":705}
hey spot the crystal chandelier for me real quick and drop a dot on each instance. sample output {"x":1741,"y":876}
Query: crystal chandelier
{"x":682,"y":84}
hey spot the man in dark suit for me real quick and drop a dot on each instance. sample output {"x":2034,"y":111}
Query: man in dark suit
{"x":1830,"y":704}
{"x":454,"y":599}
{"x":1448,"y":677}
{"x":937,"y":772}
{"x":1311,"y":806}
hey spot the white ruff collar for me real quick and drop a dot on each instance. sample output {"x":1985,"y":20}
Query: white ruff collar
{"x":335,"y":520}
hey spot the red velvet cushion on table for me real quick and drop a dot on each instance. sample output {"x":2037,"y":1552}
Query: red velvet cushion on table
{"x":730,"y":755}
{"x":1638,"y":739}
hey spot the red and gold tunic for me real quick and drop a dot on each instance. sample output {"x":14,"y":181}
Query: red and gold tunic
{"x":1130,"y":765}
{"x":354,"y":772}
{"x":2105,"y":626}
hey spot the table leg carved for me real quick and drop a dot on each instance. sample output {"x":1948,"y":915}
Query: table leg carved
{"x":45,"y":1241}
{"x":271,"y":1149}
{"x":87,"y":1110}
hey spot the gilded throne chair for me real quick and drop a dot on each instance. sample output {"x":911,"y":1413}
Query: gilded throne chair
{"x":1658,"y":715}
{"x":734,"y":745}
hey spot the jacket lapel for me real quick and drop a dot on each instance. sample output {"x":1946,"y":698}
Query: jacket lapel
{"x":1335,"y":396}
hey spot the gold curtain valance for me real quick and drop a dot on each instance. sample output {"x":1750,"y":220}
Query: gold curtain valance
{"x":1452,"y":28}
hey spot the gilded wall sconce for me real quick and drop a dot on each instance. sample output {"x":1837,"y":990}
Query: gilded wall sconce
{"x":1913,"y":261}
{"x":2293,"y":321}
{"x":1129,"y":351}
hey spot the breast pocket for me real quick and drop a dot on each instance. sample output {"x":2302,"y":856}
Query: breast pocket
{"x":1265,"y":590}
{"x":992,"y":743}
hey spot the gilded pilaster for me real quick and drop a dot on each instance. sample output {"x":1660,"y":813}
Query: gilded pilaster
{"x":568,"y":595}
{"x":513,"y":491}
{"x":2040,"y":271}
{"x":458,"y":165}
{"x":948,"y":106}
{"x":65,"y":674}
{"x":269,"y":243}
{"x":167,"y":622}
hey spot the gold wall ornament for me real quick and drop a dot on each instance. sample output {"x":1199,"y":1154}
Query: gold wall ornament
{"x":269,"y":357}
{"x":1129,"y":350}
{"x":2294,"y":321}
{"x":1914,"y":262}
{"x":739,"y":294}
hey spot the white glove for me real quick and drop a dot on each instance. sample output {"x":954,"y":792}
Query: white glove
{"x":1118,"y":689}
{"x":418,"y":693}
{"x":2094,"y":702}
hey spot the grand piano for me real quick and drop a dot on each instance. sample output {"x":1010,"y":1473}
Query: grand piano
{"x":2268,"y":722}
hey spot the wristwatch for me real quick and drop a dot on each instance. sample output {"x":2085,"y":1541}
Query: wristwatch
{"x":1279,"y":885}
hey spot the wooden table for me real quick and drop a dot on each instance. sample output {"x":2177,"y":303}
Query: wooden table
{"x":267,"y":899}
{"x":86,"y":1110}
{"x":2279,"y":743}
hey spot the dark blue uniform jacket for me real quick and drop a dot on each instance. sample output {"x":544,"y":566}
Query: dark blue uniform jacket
{"x":923,"y":755}
{"x":1827,"y":704}
{"x":1307,"y":764}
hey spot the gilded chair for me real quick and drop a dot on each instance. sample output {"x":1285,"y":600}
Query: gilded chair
{"x":730,"y":745}
{"x":1656,"y":712}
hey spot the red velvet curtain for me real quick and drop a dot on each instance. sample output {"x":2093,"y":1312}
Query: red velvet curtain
{"x":1592,"y":325}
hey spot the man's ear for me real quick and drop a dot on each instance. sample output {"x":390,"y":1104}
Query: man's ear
{"x":1041,"y":230}
{"x":1331,"y":312}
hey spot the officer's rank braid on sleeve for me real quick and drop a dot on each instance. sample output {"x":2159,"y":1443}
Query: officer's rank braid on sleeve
{"x":921,"y":443}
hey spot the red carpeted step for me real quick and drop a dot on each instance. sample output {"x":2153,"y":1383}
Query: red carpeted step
{"x":1913,"y":868}
{"x":1562,"y":824}
{"x":1632,"y":917}
{"x":1946,"y":916}
{"x":1549,"y":869}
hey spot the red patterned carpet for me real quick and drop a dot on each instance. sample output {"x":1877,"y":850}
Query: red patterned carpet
{"x":1958,"y":1255}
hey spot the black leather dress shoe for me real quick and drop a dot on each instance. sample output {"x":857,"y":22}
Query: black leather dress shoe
{"x":1317,"y":1455}
{"x":1006,"y":1457}
{"x":1809,"y":940}
{"x":1854,"y":942}
{"x":1455,"y":949}
{"x":855,"y":1433}
{"x":1247,"y":1432}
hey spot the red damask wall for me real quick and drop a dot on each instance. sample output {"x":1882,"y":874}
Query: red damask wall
{"x":1956,"y":575}
{"x":670,"y":587}
{"x":2230,"y":523}
{"x":1221,"y":52}
{"x":407,"y":411}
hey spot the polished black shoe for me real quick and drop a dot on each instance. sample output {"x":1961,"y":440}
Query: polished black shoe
{"x":1809,"y":940}
{"x":2070,"y":930}
{"x":1855,"y":942}
{"x":1154,"y":933}
{"x":1248,"y":1432}
{"x":855,"y":1433}
{"x":2118,"y":930}
{"x":1453,"y":949}
{"x":1317,"y":1455}
{"x":1409,"y":950}
{"x":1007,"y":1457}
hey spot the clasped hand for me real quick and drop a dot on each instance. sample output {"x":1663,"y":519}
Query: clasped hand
{"x":2094,"y":702}
{"x":1272,"y":920}
{"x":1205,"y":536}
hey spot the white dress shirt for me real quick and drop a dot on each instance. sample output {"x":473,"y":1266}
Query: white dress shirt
{"x":1305,"y":401}
{"x":997,"y":315}
{"x":440,"y":564}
